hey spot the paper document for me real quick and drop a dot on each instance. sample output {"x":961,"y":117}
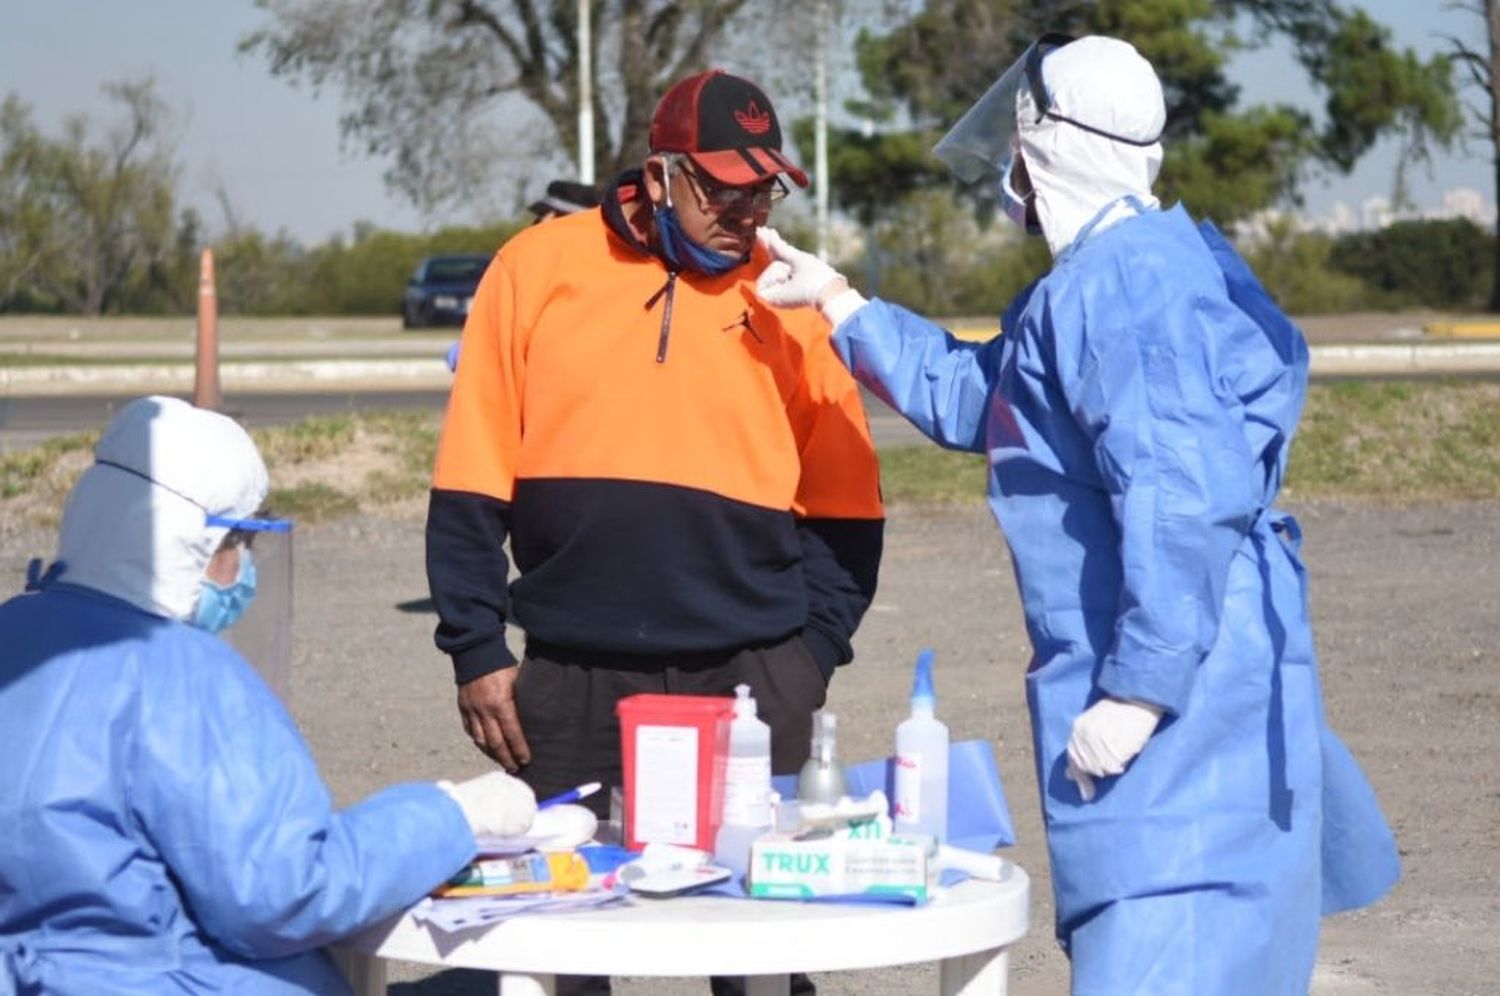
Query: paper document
{"x":450,"y":915}
{"x":490,"y":843}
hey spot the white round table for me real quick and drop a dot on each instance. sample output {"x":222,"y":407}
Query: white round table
{"x":967,"y":928}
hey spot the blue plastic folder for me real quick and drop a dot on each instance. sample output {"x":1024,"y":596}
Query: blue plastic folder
{"x":978,"y":817}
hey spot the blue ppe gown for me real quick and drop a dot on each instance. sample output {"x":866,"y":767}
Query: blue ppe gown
{"x":166,"y":830}
{"x":1136,"y":415}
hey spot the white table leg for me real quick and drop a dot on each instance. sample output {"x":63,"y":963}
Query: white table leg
{"x":520,"y":984}
{"x":980,"y":974}
{"x":768,"y":985}
{"x":366,"y":974}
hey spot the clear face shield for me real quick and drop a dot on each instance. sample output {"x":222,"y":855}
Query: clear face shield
{"x":977,"y":147}
{"x":263,"y":635}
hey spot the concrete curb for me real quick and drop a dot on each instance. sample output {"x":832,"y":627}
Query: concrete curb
{"x":293,"y":376}
{"x":1405,"y":358}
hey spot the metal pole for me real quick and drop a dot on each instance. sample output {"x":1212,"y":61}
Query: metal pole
{"x":820,"y":153}
{"x":206,"y":373}
{"x":585,"y":96}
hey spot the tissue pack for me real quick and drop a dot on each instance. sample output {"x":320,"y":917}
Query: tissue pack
{"x":786,"y":866}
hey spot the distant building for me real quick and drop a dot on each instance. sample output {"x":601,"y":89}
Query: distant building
{"x":1462,"y":202}
{"x":1374,"y":214}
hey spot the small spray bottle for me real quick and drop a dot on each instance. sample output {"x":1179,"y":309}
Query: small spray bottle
{"x":821,"y":778}
{"x":921,"y":804}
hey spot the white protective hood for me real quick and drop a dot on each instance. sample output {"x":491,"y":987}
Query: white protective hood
{"x":135,"y":523}
{"x":1106,"y":84}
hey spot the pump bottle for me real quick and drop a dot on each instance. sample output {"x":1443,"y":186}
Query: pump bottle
{"x":747,"y":785}
{"x":821,"y":778}
{"x":921,"y":789}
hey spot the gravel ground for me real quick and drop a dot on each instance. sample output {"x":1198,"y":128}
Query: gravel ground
{"x":1404,"y":600}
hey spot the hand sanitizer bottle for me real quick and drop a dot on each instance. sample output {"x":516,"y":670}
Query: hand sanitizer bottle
{"x":747,"y":785}
{"x":921,"y":804}
{"x":821,"y":778}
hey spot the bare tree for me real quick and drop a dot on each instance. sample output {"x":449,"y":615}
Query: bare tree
{"x":445,"y":89}
{"x":1484,"y":76}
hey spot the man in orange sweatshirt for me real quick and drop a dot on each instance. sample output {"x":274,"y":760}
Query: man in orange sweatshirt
{"x":684,"y":473}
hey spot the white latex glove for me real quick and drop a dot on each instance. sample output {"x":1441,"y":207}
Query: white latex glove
{"x":1106,"y":736}
{"x":794,"y":278}
{"x":495,"y":803}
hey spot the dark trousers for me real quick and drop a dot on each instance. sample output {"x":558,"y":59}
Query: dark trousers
{"x":566,"y":702}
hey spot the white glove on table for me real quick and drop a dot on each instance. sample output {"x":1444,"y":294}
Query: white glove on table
{"x":1106,"y":736}
{"x":496,"y":803}
{"x":796,"y":279}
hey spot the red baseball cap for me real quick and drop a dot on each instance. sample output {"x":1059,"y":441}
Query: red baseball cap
{"x":726,"y":125}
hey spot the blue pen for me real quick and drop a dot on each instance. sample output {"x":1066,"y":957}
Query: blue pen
{"x":572,"y":795}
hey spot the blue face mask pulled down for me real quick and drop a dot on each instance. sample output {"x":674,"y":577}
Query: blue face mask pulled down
{"x":682,"y":253}
{"x":220,"y":607}
{"x":1014,"y":204}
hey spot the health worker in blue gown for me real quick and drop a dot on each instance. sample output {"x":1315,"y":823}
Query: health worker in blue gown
{"x":166,"y":830}
{"x":1136,"y":414}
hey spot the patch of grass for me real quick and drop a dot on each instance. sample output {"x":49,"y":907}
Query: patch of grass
{"x":311,"y":502}
{"x":1399,"y":441}
{"x":931,"y":474}
{"x":23,"y":471}
{"x":1403,"y":441}
{"x":35,"y":481}
{"x":311,"y":439}
{"x":338,"y":465}
{"x":411,"y":437}
{"x":19,"y":360}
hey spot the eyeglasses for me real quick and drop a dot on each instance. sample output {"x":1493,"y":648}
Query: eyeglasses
{"x":722,"y":198}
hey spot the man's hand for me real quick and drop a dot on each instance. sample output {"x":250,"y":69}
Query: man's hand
{"x":487,"y":706}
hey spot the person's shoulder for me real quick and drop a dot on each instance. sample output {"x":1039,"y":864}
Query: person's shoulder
{"x":186,"y":664}
{"x":555,"y":235}
{"x":183,"y":647}
{"x":560,"y":249}
{"x":1156,"y":247}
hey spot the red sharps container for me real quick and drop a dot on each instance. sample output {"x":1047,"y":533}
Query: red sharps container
{"x":674,"y":749}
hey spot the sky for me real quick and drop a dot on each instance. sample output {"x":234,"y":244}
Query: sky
{"x":275,"y":148}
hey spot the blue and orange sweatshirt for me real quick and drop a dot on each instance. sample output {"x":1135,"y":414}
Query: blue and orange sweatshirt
{"x":679,"y":467}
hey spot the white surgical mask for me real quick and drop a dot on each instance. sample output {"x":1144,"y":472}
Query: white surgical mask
{"x":1013,"y":203}
{"x":221,"y":606}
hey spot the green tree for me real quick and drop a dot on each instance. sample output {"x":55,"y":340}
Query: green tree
{"x":1294,"y":267}
{"x":260,"y":275}
{"x":23,"y":220}
{"x":1225,"y":161}
{"x":1438,"y":264}
{"x":85,"y":217}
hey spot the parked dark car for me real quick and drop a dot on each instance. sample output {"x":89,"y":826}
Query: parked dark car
{"x":440,"y":290}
